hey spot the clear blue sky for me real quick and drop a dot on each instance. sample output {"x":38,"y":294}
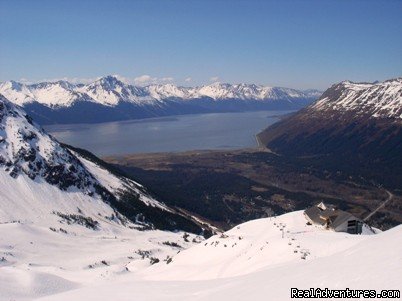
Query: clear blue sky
{"x":300,"y":44}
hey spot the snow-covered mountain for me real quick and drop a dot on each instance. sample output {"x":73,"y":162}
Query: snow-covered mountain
{"x":355,"y":126}
{"x":218,"y":91}
{"x":109,"y":90}
{"x":109,"y":98}
{"x":44,"y":93}
{"x":44,"y":181}
{"x":377,"y":100}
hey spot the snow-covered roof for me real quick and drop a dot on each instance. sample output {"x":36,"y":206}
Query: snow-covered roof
{"x":327,"y":215}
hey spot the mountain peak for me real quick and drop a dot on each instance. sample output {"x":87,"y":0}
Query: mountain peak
{"x":382,"y":99}
{"x":109,"y":82}
{"x":14,"y":85}
{"x":65,"y":84}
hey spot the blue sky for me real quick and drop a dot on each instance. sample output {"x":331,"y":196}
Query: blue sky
{"x":299,"y":44}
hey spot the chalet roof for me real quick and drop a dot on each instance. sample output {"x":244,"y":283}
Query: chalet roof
{"x":323,"y":214}
{"x":341,"y":217}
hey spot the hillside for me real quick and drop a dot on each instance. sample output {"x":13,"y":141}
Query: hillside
{"x":353,"y":126}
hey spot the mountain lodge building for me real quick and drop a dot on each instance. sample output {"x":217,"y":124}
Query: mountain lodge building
{"x":331,"y":218}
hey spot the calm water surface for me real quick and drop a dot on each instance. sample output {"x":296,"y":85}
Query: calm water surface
{"x":168,"y":134}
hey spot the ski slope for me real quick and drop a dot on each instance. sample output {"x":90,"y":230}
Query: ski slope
{"x":261,"y":265}
{"x":255,"y":245}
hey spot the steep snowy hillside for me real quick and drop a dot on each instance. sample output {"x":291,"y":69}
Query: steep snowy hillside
{"x":260,"y":261}
{"x":27,"y":150}
{"x":353,"y":126}
{"x":108,"y":99}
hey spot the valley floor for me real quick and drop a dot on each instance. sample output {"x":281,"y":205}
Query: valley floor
{"x":233,"y":186}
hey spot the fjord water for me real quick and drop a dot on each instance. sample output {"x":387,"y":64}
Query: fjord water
{"x":168,"y":134}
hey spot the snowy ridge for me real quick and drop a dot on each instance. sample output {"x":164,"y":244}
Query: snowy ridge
{"x":110,"y":91}
{"x":383,"y":99}
{"x":26,"y":149}
{"x":218,"y":91}
{"x":45,"y":93}
{"x":116,"y":185}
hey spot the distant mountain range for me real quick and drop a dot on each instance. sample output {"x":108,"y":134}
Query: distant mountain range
{"x":357,"y":126}
{"x":109,"y":99}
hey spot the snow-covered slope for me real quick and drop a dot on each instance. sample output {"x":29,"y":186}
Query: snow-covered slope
{"x":353,"y":127}
{"x":25,"y":149}
{"x":382,"y":99}
{"x":110,"y":91}
{"x":251,"y":262}
{"x":255,"y":245}
{"x":43,"y":259}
